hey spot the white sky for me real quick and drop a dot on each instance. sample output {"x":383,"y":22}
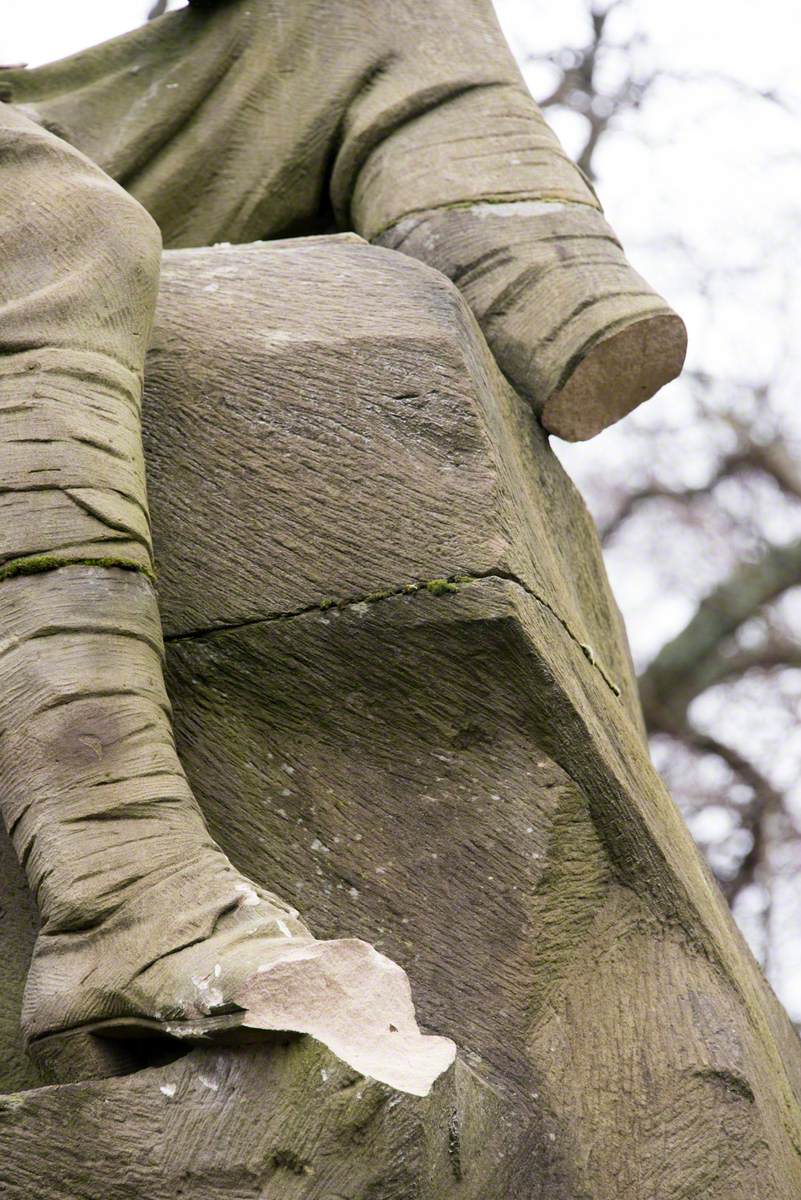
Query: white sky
{"x":39,"y":31}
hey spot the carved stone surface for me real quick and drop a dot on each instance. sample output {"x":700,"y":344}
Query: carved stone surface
{"x":403,"y":697}
{"x":288,"y":1123}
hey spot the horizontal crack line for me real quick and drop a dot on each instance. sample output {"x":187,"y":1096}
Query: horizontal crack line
{"x":433,"y":587}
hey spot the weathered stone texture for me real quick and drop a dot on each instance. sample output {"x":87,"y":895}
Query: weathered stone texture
{"x":403,"y":697}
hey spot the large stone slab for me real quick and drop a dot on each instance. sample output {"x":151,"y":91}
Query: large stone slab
{"x":286,"y":1123}
{"x":403,"y":696}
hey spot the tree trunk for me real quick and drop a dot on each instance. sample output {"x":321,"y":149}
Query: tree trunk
{"x":404,"y":700}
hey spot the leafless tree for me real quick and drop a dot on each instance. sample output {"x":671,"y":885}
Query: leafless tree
{"x":742,"y":637}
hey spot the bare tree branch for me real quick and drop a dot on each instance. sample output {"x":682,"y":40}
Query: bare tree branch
{"x":755,"y":818}
{"x":770,"y":655}
{"x":578,"y":91}
{"x":670,"y":682}
{"x":738,"y":85}
{"x":684,"y":496}
{"x":577,"y":87}
{"x":774,"y":460}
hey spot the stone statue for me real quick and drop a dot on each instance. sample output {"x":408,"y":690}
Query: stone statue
{"x":402,"y":690}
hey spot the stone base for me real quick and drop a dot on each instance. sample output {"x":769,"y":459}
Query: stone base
{"x":285,"y":1122}
{"x":404,"y":700}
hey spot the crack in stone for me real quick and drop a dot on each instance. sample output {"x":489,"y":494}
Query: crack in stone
{"x":434,"y":587}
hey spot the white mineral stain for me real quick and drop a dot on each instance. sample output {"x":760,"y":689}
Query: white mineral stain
{"x":208,"y":997}
{"x":517,"y":208}
{"x":167,"y":1089}
{"x":248,"y":896}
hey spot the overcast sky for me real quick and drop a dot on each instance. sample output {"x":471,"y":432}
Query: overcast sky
{"x":38,"y":31}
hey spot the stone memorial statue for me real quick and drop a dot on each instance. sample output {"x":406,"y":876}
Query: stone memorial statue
{"x":401,"y":703}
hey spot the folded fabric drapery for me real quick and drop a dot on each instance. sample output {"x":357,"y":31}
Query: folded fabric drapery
{"x":249,"y":119}
{"x":255,"y":118}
